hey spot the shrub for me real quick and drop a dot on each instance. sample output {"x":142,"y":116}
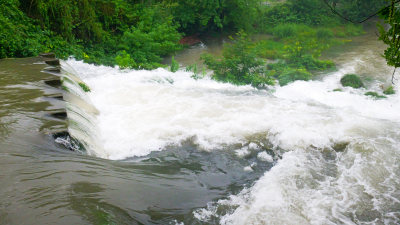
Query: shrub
{"x":351,"y":80}
{"x":389,"y":91}
{"x":239,"y":64}
{"x":124,"y":60}
{"x":153,"y":37}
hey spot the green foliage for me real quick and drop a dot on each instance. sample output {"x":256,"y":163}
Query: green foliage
{"x":324,"y":34}
{"x":389,"y":91}
{"x":239,"y":64}
{"x":289,"y":75}
{"x":357,"y":10}
{"x":84,"y":87}
{"x":303,"y":52}
{"x":338,"y":90}
{"x":101,"y":32}
{"x":138,"y":34}
{"x":374,"y":95}
{"x":309,"y":12}
{"x":351,"y":80}
{"x":21,"y":37}
{"x":269,"y":49}
{"x":391,"y":36}
{"x":215,"y":15}
{"x":154,"y":36}
{"x":193,"y":68}
{"x":124,"y":60}
{"x":174,"y":65}
{"x":288,"y":30}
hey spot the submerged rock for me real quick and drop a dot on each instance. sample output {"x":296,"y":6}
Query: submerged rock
{"x":351,"y":80}
{"x":340,"y":147}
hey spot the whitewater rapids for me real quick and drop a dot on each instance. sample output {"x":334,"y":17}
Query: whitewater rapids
{"x":140,"y":111}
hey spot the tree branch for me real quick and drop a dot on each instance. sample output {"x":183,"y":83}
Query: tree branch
{"x":350,"y":20}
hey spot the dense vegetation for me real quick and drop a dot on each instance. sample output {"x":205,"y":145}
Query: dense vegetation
{"x":138,"y":34}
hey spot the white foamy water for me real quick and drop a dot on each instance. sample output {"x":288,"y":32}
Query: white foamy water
{"x":144,"y":111}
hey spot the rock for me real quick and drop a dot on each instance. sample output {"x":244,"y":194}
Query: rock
{"x":340,"y":147}
{"x":351,"y":80}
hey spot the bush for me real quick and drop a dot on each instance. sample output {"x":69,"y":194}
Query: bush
{"x":239,"y":64}
{"x":152,"y":38}
{"x":389,"y":91}
{"x":124,"y":60}
{"x":291,"y":75}
{"x":351,"y":80}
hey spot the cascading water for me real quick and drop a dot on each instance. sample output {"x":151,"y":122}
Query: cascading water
{"x":131,"y":113}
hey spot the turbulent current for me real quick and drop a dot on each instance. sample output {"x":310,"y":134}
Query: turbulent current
{"x":335,"y":154}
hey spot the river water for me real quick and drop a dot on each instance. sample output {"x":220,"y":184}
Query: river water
{"x":163,"y":148}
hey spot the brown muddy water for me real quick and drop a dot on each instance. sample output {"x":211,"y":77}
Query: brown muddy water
{"x":162,"y":148}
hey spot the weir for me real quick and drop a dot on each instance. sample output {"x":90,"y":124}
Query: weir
{"x":61,"y":135}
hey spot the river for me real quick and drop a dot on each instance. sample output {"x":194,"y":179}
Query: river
{"x":163,"y":148}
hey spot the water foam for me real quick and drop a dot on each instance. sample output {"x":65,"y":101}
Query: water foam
{"x":143,"y":111}
{"x":313,"y":184}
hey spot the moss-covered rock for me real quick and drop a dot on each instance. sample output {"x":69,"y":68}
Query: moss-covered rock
{"x":351,"y":80}
{"x":338,"y":90}
{"x":374,"y":95}
{"x":389,"y":91}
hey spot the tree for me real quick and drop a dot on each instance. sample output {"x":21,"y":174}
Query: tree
{"x":391,"y":15}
